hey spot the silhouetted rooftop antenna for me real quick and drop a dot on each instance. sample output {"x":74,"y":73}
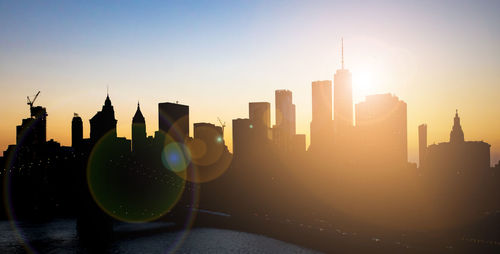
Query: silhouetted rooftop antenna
{"x":342,"y":53}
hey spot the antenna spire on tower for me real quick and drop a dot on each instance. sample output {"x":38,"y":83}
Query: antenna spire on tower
{"x":342,"y":53}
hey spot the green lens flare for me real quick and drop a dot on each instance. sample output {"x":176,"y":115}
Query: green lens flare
{"x":128,"y":189}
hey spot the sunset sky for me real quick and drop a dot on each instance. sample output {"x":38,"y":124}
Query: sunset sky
{"x":216,"y":56}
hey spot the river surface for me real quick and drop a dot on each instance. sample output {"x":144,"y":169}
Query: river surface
{"x":59,"y":236}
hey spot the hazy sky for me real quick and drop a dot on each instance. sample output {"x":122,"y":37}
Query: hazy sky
{"x":216,"y":56}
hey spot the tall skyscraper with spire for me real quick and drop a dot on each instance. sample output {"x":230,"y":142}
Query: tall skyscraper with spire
{"x":103,"y":122}
{"x":458,"y":157}
{"x":342,"y":101}
{"x":457,"y":134}
{"x":138,"y":130}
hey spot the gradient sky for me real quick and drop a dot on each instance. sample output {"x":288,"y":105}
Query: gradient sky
{"x":216,"y":56}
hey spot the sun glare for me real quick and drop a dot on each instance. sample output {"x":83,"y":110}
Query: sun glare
{"x":363,"y":84}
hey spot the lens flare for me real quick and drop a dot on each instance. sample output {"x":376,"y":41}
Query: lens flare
{"x":132,"y":191}
{"x":209,"y":160}
{"x":176,"y":157}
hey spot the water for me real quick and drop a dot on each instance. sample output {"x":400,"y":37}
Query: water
{"x":59,"y":236}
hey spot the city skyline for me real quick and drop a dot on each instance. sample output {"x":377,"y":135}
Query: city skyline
{"x":376,"y":109}
{"x":432,"y":82}
{"x":228,"y":133}
{"x":364,"y":126}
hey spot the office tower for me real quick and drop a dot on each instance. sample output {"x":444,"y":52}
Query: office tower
{"x":285,"y":111}
{"x":103,"y":122}
{"x":260,"y":116}
{"x":456,"y":134}
{"x":321,"y":123}
{"x":209,"y":133}
{"x":381,"y":126}
{"x":342,"y":102}
{"x":422,"y":143}
{"x":284,"y":130}
{"x":260,"y":113}
{"x":32,"y":130}
{"x":322,"y":101}
{"x":242,"y":136}
{"x":76,"y":131}
{"x":458,"y":157}
{"x":208,"y":144}
{"x":138,"y":130}
{"x":173,"y":119}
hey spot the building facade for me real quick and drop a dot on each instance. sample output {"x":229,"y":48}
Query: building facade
{"x":458,"y":157}
{"x":103,"y":122}
{"x":139,"y":135}
{"x":260,"y":116}
{"x":173,"y":120}
{"x":321,"y":123}
{"x":381,"y":129}
{"x":76,"y":131}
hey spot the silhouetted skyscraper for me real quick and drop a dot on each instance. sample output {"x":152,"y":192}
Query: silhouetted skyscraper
{"x":285,"y":111}
{"x":33,"y":130}
{"x":285,"y":119}
{"x":138,"y":130}
{"x":208,"y":132}
{"x":322,"y":100}
{"x":208,"y":145}
{"x":457,"y":134}
{"x":342,"y":102}
{"x":103,"y":122}
{"x":321,"y":123}
{"x":242,"y":136}
{"x":422,"y":143}
{"x":173,"y":119}
{"x":260,"y":116}
{"x":381,"y":126}
{"x":76,"y":131}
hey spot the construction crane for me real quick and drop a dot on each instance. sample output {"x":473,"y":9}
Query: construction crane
{"x":222,"y":124}
{"x":36,"y":112}
{"x":31,"y":102}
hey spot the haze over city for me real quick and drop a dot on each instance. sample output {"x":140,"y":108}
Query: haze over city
{"x":250,"y":126}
